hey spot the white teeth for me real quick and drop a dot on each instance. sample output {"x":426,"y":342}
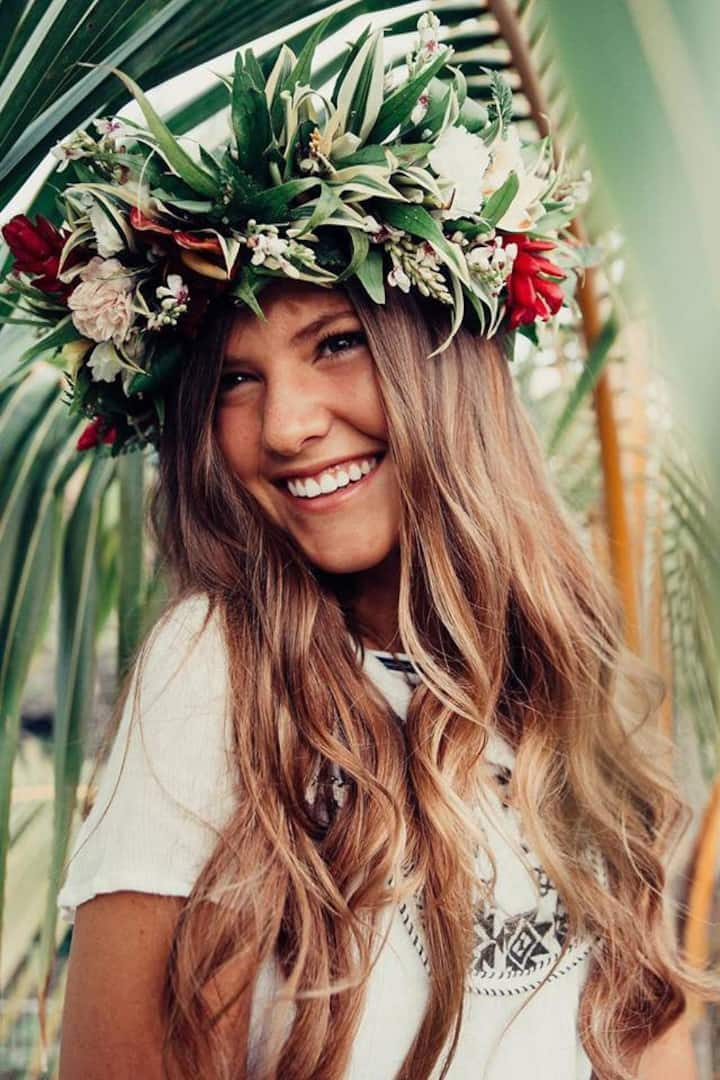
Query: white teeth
{"x":329,"y":481}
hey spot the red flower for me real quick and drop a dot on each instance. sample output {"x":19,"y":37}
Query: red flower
{"x":530,"y":295}
{"x":142,"y":223}
{"x":93,"y":434}
{"x":36,"y":249}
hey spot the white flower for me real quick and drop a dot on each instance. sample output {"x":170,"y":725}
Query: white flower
{"x":492,"y":263}
{"x":104,"y":362}
{"x":101,"y":304}
{"x":462,"y":158}
{"x":371,"y":225}
{"x":110,"y":126}
{"x":107,"y":238}
{"x":525,"y":208}
{"x":394,"y":78}
{"x":176,"y":289}
{"x":173,"y":299}
{"x":65,"y":153}
{"x":420,"y":110}
{"x":271,"y":250}
{"x":506,"y":157}
{"x":399,"y":278}
{"x":428,"y":27}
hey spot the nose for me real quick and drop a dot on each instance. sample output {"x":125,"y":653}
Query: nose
{"x":294,"y":410}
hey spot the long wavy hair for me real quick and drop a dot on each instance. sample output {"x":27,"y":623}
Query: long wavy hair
{"x":513,"y":629}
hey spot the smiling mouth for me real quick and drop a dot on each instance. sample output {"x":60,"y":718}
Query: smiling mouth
{"x":308,"y":493}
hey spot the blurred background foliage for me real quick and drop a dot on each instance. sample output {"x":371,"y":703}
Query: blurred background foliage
{"x":622,"y":393}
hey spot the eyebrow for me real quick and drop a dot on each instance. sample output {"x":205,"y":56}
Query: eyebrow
{"x":309,"y":330}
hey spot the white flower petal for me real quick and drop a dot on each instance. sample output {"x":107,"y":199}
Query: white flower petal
{"x":462,"y":158}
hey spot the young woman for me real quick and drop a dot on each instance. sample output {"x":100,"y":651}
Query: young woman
{"x":386,"y":799}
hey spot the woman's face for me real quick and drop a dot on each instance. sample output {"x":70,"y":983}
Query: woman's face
{"x":298,"y":402}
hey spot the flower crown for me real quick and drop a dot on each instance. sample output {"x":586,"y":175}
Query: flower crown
{"x":396,"y":179}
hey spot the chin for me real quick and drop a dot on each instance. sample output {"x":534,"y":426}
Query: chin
{"x":349,"y":562}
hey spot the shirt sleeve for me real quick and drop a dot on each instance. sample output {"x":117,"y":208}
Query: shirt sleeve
{"x":166,"y":789}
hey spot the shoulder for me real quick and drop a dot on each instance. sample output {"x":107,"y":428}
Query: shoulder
{"x":183,"y":655}
{"x":178,"y":692}
{"x":191,"y":623}
{"x":167,"y":787}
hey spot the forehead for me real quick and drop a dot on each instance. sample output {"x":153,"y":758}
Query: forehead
{"x":291,"y":309}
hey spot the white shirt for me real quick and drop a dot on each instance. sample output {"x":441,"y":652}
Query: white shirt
{"x":175,"y":790}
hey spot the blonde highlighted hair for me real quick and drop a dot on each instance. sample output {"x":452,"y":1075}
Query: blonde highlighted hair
{"x":513,"y":629}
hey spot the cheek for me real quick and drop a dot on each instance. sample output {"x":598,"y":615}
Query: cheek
{"x":238,"y":440}
{"x":369,"y":406}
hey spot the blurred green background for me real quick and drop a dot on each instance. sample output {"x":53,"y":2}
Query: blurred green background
{"x":623,"y":394}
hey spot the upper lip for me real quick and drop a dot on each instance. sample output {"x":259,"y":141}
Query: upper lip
{"x":312,"y":470}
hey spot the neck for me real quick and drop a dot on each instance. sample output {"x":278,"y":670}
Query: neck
{"x":375,"y":603}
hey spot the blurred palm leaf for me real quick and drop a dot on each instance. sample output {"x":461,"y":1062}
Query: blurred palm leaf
{"x":86,"y":517}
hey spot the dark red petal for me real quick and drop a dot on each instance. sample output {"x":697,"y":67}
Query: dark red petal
{"x":521,"y":314}
{"x":142,"y":223}
{"x":552,"y":293}
{"x":52,"y":236}
{"x":89,"y":436}
{"x":23,"y":240}
{"x":197,"y":243}
{"x":538,"y":245}
{"x":523,"y":290}
{"x":525,"y":264}
{"x":547,"y":267}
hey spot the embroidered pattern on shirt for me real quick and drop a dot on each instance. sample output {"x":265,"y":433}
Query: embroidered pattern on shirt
{"x":512,"y":953}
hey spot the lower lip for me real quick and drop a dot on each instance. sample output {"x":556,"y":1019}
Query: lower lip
{"x":334,"y":498}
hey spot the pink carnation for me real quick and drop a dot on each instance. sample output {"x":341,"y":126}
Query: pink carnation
{"x":101,"y":304}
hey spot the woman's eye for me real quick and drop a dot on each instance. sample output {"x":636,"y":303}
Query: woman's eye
{"x":338,"y":343}
{"x":230,"y":379}
{"x":332,"y":345}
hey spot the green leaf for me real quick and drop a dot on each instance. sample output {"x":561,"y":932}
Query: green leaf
{"x":64,"y":332}
{"x":418,"y":222}
{"x":500,"y":201}
{"x":473,"y":116}
{"x":370,"y":275}
{"x":327,"y":204}
{"x":588,"y":377}
{"x":176,"y":157}
{"x":397,"y":107}
{"x":246,"y":289}
{"x":164,"y":365}
{"x":75,"y":669}
{"x":360,"y":97}
{"x":361,"y":247}
{"x":458,"y":311}
{"x":131,"y":592}
{"x":253,"y":70}
{"x":366,"y":155}
{"x":273,"y":206}
{"x":284,"y":64}
{"x":251,"y":124}
{"x":353,"y":51}
{"x":301,"y":73}
{"x":501,"y":107}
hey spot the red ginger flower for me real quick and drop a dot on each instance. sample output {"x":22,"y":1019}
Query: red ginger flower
{"x":36,"y":250}
{"x":531,"y":296}
{"x":93,"y":434}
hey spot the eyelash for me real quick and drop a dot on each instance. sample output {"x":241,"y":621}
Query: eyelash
{"x":355,"y":337}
